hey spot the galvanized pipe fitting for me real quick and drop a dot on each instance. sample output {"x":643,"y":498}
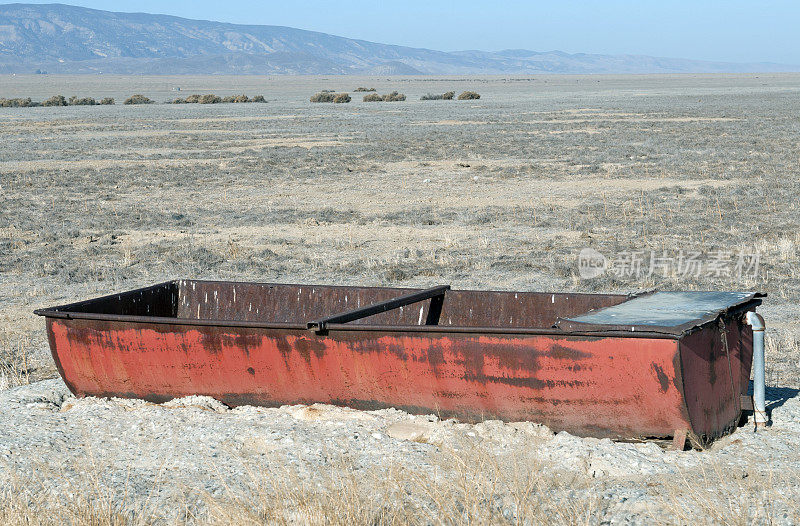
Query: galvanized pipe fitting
{"x":759,"y":405}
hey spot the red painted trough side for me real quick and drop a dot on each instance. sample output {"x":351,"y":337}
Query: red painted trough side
{"x":715,"y":375}
{"x":600,"y":386}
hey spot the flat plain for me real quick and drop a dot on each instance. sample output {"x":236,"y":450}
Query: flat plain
{"x":499,"y":193}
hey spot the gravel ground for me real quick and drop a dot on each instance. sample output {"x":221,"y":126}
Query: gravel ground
{"x":195,"y":451}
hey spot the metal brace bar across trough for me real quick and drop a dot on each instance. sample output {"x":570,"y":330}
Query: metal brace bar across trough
{"x":437,"y":293}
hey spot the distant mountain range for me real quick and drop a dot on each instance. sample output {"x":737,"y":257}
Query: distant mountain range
{"x":58,"y":38}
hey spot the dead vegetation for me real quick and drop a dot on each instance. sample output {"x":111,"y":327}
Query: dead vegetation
{"x":15,"y":362}
{"x":17,"y":103}
{"x":469,"y":95}
{"x":56,"y":100}
{"x":330,"y":96}
{"x":389,"y":97}
{"x":216,"y":99}
{"x":728,"y":496}
{"x":138,"y":99}
{"x":458,"y":487}
{"x":394,"y":97}
{"x":445,"y":96}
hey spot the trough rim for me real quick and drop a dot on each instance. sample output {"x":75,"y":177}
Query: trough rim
{"x":57,"y":313}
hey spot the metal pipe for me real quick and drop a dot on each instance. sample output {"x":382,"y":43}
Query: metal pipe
{"x":759,"y":405}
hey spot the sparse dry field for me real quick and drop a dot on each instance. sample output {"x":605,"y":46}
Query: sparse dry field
{"x":501,"y":192}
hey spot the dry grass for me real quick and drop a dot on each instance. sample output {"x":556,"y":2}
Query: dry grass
{"x":782,"y":354}
{"x":15,"y":361}
{"x":455,"y":488}
{"x":729,"y":496}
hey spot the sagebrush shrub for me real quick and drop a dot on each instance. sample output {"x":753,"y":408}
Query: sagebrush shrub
{"x":389,"y":97}
{"x":364,"y":89}
{"x":469,"y":95}
{"x":17,"y":103}
{"x":323,"y":96}
{"x":445,"y":96}
{"x":86,"y":101}
{"x":394,"y":97}
{"x":107,"y":101}
{"x":55,"y":100}
{"x":341,"y":98}
{"x":138,"y":99}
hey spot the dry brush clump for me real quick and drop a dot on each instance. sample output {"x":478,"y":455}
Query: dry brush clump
{"x":138,"y":99}
{"x":394,"y":97}
{"x":389,"y":97}
{"x":469,"y":95}
{"x":330,"y":96}
{"x":242,"y":99}
{"x":18,"y":103}
{"x":55,"y":100}
{"x":444,"y":96}
{"x":85,"y":101}
{"x":362,"y":89}
{"x":204,"y":99}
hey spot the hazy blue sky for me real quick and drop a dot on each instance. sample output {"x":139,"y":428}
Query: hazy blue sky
{"x":733,"y":30}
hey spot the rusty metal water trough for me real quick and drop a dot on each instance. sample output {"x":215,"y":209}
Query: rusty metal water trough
{"x":660,"y":365}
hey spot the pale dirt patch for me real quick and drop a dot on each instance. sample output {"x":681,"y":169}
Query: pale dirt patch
{"x":589,"y":131}
{"x":285,"y":142}
{"x":226,"y":120}
{"x":616,"y":118}
{"x":96,"y":164}
{"x":449,"y":122}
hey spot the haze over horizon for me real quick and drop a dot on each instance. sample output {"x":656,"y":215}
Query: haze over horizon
{"x":68,"y":39}
{"x":735,"y":31}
